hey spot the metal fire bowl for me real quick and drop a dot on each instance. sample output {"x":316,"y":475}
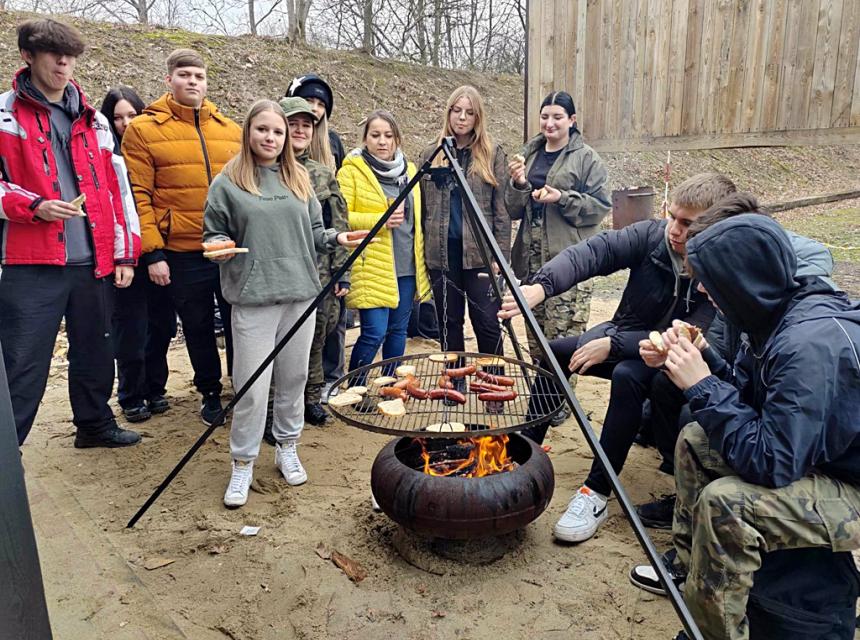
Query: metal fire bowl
{"x":462,"y":508}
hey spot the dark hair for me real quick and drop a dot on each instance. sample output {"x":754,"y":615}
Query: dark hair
{"x":113,"y":97}
{"x":45,"y":34}
{"x":732,"y":205}
{"x":565,"y":101}
{"x":381,"y":114}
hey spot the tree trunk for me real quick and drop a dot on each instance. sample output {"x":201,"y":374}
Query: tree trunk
{"x":252,"y":19}
{"x":437,"y":33}
{"x":142,"y":12}
{"x":297,"y":15}
{"x":421,"y":27}
{"x":367,"y":44}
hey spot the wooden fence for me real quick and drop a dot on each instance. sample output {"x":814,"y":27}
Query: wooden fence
{"x":688,"y":74}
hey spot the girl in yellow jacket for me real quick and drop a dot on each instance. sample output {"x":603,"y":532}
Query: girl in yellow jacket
{"x":391,"y":273}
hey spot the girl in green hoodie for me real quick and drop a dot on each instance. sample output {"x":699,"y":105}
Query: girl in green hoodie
{"x":264,"y":201}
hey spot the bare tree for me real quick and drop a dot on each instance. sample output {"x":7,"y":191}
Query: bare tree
{"x":297,"y":19}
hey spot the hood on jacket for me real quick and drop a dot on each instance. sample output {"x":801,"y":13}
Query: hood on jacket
{"x":747,"y":265}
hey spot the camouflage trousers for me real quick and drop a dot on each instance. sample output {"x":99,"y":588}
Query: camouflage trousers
{"x":326,"y":322}
{"x":562,"y":315}
{"x":722,"y":525}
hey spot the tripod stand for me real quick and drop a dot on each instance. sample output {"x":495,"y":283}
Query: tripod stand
{"x":490,"y":253}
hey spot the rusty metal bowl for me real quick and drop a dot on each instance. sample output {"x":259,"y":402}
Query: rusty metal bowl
{"x":457,"y":508}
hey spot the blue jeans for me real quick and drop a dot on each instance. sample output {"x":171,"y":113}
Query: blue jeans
{"x":384,"y":327}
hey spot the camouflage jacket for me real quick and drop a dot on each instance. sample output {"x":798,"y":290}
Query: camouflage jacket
{"x":334,"y":216}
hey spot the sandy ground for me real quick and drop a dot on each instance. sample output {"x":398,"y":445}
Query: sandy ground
{"x":103,"y":581}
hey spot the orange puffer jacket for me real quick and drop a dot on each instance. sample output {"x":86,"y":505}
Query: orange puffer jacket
{"x":173,"y":152}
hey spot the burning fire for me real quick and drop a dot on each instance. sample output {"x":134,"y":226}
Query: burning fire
{"x":485,"y":456}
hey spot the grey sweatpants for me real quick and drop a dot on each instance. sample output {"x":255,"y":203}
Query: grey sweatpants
{"x":256,"y":331}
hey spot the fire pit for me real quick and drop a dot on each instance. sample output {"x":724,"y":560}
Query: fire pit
{"x":459,"y":471}
{"x":457,"y":506}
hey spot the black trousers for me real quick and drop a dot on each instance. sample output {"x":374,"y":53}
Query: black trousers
{"x":334,"y":349}
{"x":669,"y":413}
{"x":631,"y":383}
{"x":144,"y":322}
{"x":34,"y":299}
{"x":482,"y":308}
{"x":193,"y":282}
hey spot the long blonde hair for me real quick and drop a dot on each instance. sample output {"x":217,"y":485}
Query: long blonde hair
{"x":482,"y":144}
{"x":320,"y":147}
{"x":241,"y":170}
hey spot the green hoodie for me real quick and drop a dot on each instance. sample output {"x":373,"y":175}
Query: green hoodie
{"x":282,"y":233}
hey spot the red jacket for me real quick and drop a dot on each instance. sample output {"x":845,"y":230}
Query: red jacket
{"x":28,"y":175}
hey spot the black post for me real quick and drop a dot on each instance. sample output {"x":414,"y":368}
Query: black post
{"x":448,"y":147}
{"x":23,"y":611}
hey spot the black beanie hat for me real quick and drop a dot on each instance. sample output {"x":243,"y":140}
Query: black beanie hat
{"x":311,"y":85}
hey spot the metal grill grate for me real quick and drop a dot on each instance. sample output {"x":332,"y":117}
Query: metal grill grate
{"x":479,"y":417}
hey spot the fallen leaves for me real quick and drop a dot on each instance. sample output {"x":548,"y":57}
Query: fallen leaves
{"x":353,"y":570}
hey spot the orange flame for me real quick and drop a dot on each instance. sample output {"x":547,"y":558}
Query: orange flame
{"x":487,"y":455}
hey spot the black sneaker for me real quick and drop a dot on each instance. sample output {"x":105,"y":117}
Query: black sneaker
{"x":137,"y":413}
{"x":645,"y":577}
{"x":657,"y":514}
{"x":210,"y":409}
{"x":316,"y":415}
{"x":367,"y":405}
{"x":682,"y":635}
{"x":111,"y":438}
{"x":268,"y":436}
{"x":158,"y":404}
{"x":645,"y":437}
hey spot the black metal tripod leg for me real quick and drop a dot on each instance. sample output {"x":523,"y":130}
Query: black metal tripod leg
{"x":581,"y":419}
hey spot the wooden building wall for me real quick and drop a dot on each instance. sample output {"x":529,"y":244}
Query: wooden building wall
{"x":687,"y":74}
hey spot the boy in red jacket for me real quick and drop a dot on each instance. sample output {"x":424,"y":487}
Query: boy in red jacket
{"x":69,"y":233}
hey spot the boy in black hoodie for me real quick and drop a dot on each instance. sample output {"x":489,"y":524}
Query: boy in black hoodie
{"x":658,"y":291}
{"x":773,"y":459}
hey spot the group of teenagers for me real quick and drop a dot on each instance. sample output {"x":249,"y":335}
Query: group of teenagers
{"x":769,"y":459}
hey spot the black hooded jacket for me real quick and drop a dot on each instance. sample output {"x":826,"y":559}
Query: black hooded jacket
{"x":654,"y":295}
{"x":794,"y":405}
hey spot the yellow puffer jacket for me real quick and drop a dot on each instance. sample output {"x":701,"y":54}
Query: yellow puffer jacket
{"x":172,"y":153}
{"x":374,"y":280}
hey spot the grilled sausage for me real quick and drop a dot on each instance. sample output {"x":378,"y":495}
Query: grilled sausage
{"x":393,"y":392}
{"x":460,"y":372}
{"x":482,"y":387}
{"x":417,"y":392}
{"x":497,"y":396}
{"x":451,"y":394}
{"x":408,"y":380}
{"x":445,"y":383}
{"x":505,"y":381}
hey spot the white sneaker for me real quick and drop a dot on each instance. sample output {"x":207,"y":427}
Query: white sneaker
{"x":327,"y":387}
{"x":240,"y":481}
{"x":586,"y":512}
{"x":374,"y":503}
{"x":287,"y":460}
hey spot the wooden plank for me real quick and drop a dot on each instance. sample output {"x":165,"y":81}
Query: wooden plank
{"x":535,"y":16}
{"x":547,"y":78}
{"x":843,"y":86}
{"x":767,"y":109}
{"x":829,"y":136}
{"x":677,"y":56}
{"x":569,"y":64}
{"x":607,"y":67}
{"x":808,"y":202}
{"x":855,"y":101}
{"x":613,"y":116}
{"x":789,"y":66}
{"x":628,"y":66}
{"x":591,"y":115}
{"x":827,"y":55}
{"x":662,"y":35}
{"x":692,"y":64}
{"x":641,"y":66}
{"x":808,"y":28}
{"x":758,"y":36}
{"x":732,"y":97}
{"x":581,"y":38}
{"x":651,"y":56}
{"x":721,"y":48}
{"x":706,"y":68}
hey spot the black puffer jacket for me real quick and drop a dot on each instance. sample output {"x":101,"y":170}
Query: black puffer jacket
{"x":791,"y":404}
{"x":654,"y":295}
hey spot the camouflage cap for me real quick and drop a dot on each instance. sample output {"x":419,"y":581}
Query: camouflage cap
{"x":292,"y":106}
